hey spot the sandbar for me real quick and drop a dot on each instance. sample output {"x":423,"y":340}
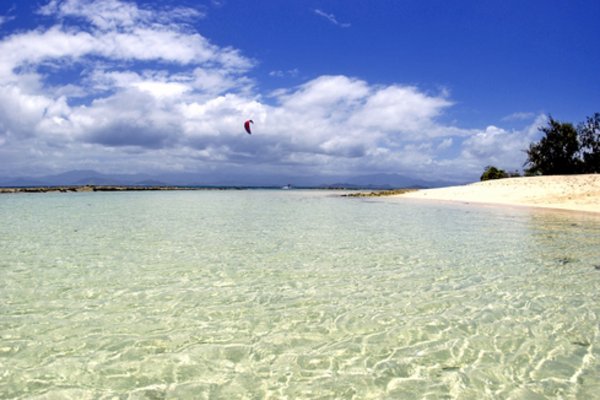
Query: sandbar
{"x":564,"y":192}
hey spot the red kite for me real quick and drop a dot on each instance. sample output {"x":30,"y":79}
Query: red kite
{"x":247,"y":126}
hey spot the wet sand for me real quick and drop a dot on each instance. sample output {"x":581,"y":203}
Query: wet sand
{"x":565,"y":192}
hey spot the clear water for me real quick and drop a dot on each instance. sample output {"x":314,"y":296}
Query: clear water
{"x":292,"y":295}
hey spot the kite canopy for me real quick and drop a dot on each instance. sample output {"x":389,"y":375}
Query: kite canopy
{"x":247,"y":126}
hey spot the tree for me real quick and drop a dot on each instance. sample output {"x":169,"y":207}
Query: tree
{"x":589,"y":138}
{"x":556,"y":153}
{"x":492,"y":172}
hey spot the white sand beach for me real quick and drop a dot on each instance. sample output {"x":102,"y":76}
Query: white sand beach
{"x":566,"y":192}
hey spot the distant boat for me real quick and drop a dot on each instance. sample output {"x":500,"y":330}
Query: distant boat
{"x":286,"y":187}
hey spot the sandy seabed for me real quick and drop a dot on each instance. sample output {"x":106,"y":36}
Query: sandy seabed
{"x":565,"y":192}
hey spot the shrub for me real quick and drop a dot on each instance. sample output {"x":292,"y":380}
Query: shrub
{"x":492,"y":172}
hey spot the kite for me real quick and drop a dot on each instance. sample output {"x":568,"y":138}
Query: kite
{"x":247,"y":126}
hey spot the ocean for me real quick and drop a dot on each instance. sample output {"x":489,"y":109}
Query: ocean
{"x":269,"y":294}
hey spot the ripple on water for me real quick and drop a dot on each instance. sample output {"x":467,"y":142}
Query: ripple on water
{"x":215,"y":295}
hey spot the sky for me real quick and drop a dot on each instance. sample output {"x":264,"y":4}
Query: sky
{"x":432,"y":89}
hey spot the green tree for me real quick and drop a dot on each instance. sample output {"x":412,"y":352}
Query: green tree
{"x":492,"y":172}
{"x":556,"y":153}
{"x":589,"y":138}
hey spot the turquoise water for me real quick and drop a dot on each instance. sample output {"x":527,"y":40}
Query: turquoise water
{"x":292,"y":295}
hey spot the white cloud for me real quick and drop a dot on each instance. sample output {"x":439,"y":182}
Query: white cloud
{"x":158,"y":85}
{"x":281,"y":74}
{"x":331,"y":18}
{"x":26,"y":94}
{"x":500,"y":147}
{"x":138,"y":43}
{"x":520,"y":116}
{"x":20,"y":111}
{"x":325,"y":93}
{"x":112,"y":15}
{"x":401,"y":109}
{"x":445,"y":144}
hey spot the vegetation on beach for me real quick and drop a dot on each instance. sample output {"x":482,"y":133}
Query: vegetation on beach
{"x":564,"y":150}
{"x":492,"y":172}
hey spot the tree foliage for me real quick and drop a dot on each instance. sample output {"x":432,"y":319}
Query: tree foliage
{"x":589,"y":137}
{"x":557,"y":153}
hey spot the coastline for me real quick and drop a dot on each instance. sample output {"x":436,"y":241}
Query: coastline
{"x":561,"y":192}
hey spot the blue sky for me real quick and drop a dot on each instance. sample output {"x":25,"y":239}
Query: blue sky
{"x":430,"y":89}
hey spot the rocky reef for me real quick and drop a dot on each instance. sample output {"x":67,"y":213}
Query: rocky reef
{"x":90,"y":188}
{"x":379,"y":193}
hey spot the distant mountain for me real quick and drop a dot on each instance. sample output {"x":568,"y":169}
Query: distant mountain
{"x":25,"y":182}
{"x":75,"y":178}
{"x":90,"y":177}
{"x":78,"y":177}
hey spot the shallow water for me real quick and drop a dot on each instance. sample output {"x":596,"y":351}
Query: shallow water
{"x":294,"y":294}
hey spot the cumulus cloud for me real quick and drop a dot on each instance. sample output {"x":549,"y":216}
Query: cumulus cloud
{"x":36,"y":54}
{"x":115,"y":14}
{"x":114,"y":85}
{"x":500,"y":147}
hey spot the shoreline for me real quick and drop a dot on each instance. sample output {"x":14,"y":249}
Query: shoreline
{"x":560,"y":192}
